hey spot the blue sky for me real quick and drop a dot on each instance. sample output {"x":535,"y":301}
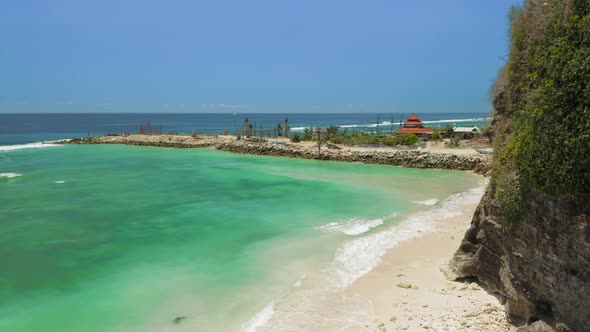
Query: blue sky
{"x":250,"y":56}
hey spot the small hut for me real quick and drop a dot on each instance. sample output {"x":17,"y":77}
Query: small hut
{"x":466,"y":132}
{"x":413,"y":125}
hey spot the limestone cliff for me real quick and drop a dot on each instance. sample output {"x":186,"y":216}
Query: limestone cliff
{"x":529,"y":239}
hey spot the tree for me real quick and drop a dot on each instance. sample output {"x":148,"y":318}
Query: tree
{"x":287,"y":128}
{"x":279,"y":129}
{"x":248,"y":128}
{"x":448,"y":131}
{"x":487,"y":132}
{"x":319,"y":137}
{"x":332,"y":131}
{"x":308,"y":134}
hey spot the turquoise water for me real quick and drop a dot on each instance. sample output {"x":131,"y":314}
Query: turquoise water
{"x":124,"y":238}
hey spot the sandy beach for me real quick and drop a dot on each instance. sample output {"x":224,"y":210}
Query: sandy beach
{"x":409,"y":292}
{"x":406,"y":291}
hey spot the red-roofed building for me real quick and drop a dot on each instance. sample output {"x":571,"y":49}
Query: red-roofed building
{"x":414,"y":126}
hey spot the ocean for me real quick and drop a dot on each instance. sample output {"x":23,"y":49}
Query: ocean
{"x":29,"y":128}
{"x":129,"y":238}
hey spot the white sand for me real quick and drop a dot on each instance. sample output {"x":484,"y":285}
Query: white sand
{"x":381,"y":300}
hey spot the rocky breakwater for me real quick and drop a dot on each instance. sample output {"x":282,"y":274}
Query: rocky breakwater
{"x":416,"y":159}
{"x":174,"y":141}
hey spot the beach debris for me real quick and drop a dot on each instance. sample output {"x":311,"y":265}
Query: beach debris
{"x":403,"y":285}
{"x":179,"y":319}
{"x":393,"y":319}
{"x":400,"y":275}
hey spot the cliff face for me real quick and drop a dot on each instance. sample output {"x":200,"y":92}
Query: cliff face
{"x":529,"y":239}
{"x":540,"y":264}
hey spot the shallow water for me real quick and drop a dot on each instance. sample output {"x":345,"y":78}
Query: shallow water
{"x":126,"y":238}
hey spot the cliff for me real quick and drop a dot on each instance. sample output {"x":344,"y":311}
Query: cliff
{"x":529,"y":240}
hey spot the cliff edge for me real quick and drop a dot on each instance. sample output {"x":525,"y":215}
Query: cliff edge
{"x":529,"y":239}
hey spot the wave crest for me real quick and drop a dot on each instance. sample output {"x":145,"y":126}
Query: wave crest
{"x":353,"y":226}
{"x":427,"y":202}
{"x":36,"y":145}
{"x":9,"y":175}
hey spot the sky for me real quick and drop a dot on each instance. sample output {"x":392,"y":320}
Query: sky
{"x":250,"y":56}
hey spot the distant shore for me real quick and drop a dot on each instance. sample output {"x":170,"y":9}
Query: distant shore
{"x":434,"y":155}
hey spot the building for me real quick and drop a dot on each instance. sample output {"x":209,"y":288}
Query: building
{"x":466,"y":132}
{"x":413,"y":125}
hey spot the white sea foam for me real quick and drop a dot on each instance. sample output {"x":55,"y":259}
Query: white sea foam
{"x":298,"y":283}
{"x":457,"y":120}
{"x":427,"y":202}
{"x":353,"y":226}
{"x":37,"y":145}
{"x":59,"y":182}
{"x":9,"y":175}
{"x":260,"y":319}
{"x":360,"y":255}
{"x":388,"y":123}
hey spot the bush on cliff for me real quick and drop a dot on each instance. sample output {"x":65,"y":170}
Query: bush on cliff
{"x":542,"y":106}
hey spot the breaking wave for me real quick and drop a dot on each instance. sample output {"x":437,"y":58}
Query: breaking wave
{"x":9,"y":175}
{"x":353,"y":226}
{"x":36,"y":145}
{"x":360,"y":255}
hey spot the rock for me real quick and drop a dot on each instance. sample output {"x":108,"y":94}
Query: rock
{"x":538,"y":326}
{"x":179,"y":319}
{"x":403,"y":285}
{"x":472,"y":313}
{"x":554,"y":241}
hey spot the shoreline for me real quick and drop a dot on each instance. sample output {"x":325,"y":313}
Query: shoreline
{"x":431,"y":157}
{"x":405,"y":291}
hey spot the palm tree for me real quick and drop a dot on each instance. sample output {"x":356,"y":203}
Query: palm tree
{"x":287,"y":128}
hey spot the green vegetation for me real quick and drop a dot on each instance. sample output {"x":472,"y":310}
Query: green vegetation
{"x":296,"y":138}
{"x":542,"y":106}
